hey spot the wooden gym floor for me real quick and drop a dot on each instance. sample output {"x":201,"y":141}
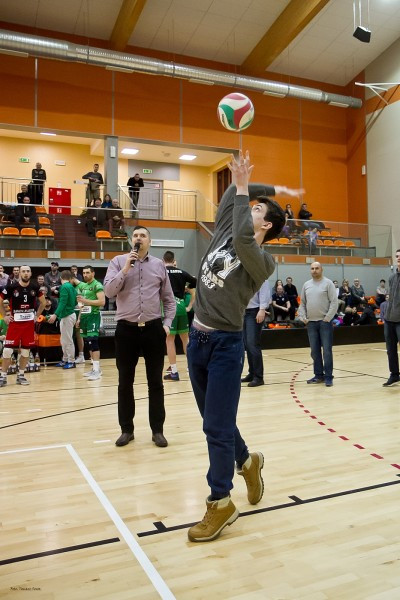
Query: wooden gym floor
{"x":82,"y":519}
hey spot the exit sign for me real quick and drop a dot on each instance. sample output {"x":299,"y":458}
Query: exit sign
{"x":147,"y":170}
{"x":24,"y":159}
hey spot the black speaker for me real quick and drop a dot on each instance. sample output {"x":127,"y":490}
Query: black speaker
{"x":363,"y":34}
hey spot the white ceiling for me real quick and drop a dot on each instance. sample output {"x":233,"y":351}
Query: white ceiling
{"x":226,"y":30}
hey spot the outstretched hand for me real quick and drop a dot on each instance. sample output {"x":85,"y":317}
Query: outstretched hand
{"x":281,"y":190}
{"x":241,"y":171}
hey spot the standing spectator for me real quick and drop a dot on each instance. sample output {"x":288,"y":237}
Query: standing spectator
{"x":383,"y":308}
{"x":254,"y":317}
{"x":43,"y":285}
{"x":341,"y":301}
{"x":180,"y":280}
{"x":290,"y":223}
{"x":15,"y":274}
{"x":392,"y":324}
{"x":93,"y":187}
{"x":52,"y":279}
{"x":357,"y":294}
{"x":90,"y":300}
{"x":134,"y":184}
{"x":304,"y":213}
{"x":345,"y":292}
{"x":24,"y":192}
{"x":312,"y":240}
{"x":25,"y":214}
{"x":3,"y":278}
{"x":115,"y":217}
{"x":318,"y":307}
{"x":38,"y":177}
{"x":140,"y":282}
{"x":65,"y":313}
{"x":281,"y":304}
{"x":96,"y":218}
{"x":233,"y":269}
{"x":289,"y":211}
{"x":292,"y":294}
{"x":75,"y":274}
{"x":277,"y":282}
{"x":107,"y":202}
{"x":381,"y":292}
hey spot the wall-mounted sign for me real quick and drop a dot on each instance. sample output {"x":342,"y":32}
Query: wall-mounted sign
{"x":147,"y":170}
{"x":24,"y":159}
{"x":60,"y":163}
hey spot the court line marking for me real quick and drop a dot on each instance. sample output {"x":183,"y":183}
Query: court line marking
{"x":155,"y":578}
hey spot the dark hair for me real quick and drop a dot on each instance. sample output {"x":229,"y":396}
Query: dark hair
{"x":275,"y":215}
{"x":88,"y":267}
{"x":96,"y":165}
{"x":140,"y":227}
{"x":382,"y":280}
{"x":66,"y":275}
{"x":169,"y":256}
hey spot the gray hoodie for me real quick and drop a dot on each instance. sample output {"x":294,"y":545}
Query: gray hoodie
{"x":234,"y":266}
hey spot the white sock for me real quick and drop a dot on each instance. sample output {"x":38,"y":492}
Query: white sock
{"x":81,"y":354}
{"x":96,"y":365}
{"x":21,"y":372}
{"x":174,"y":369}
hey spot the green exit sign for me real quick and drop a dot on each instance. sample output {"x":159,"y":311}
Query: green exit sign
{"x":147,"y":170}
{"x":24,"y":159}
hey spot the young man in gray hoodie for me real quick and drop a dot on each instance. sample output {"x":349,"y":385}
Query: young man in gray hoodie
{"x":233,"y":269}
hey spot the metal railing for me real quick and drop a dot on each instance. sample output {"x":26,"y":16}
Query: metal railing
{"x":11,"y":186}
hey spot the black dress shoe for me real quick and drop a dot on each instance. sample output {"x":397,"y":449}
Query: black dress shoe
{"x":246,"y":379}
{"x":256,"y":383}
{"x":124,"y":439}
{"x":159,"y":440}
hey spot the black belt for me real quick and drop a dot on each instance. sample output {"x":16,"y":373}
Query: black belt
{"x":140,"y":323}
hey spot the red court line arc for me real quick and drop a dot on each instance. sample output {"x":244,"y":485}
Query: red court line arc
{"x":376,"y":456}
{"x":343,"y":437}
{"x":359,"y":446}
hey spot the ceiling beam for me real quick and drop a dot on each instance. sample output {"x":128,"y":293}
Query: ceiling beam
{"x":128,"y":16}
{"x":287,"y":26}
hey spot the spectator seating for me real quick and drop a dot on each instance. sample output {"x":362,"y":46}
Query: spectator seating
{"x":11,"y":231}
{"x":44,"y":221}
{"x":45,"y":232}
{"x":28,"y":231}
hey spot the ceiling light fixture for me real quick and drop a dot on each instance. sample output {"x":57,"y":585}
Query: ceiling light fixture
{"x":187,"y":157}
{"x":361,"y":33}
{"x":130,"y":151}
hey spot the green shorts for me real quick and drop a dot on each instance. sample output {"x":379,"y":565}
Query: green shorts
{"x":180,"y":323}
{"x":90,"y":325}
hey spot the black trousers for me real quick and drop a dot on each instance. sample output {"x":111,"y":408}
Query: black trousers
{"x":130,"y":341}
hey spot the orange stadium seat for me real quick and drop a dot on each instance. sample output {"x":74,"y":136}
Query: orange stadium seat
{"x":283,"y":240}
{"x":44,"y":232}
{"x":44,"y":221}
{"x":10,"y":231}
{"x":28,"y":232}
{"x":320,"y":243}
{"x":324,"y":232}
{"x":349,"y":243}
{"x":328,"y":243}
{"x":103,"y":235}
{"x":338,"y":243}
{"x":41,"y":210}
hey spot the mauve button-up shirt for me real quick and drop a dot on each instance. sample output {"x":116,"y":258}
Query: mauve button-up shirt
{"x":140,"y":291}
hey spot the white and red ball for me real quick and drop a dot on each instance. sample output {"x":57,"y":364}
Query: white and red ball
{"x":235,"y":112}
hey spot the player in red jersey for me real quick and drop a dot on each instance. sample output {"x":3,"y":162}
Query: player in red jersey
{"x":22,"y":295}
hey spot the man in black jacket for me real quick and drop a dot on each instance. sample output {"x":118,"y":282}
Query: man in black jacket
{"x":134,"y":184}
{"x":25,"y":214}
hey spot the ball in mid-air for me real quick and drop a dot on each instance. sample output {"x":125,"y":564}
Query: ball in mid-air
{"x":235,"y":112}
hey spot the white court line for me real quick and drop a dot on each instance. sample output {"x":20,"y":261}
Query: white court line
{"x":378,"y":349}
{"x":142,"y":558}
{"x":34,"y":410}
{"x":101,"y":441}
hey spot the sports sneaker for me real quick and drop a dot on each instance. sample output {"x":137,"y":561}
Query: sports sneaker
{"x":62,"y":363}
{"x":219,"y":514}
{"x":88,"y":373}
{"x":94,"y":376}
{"x":169,"y":369}
{"x":316,"y":380}
{"x":3,"y":381}
{"x":171,"y":377}
{"x":22,"y":380}
{"x":80,"y":360}
{"x":251,"y":471}
{"x":391,"y":381}
{"x":69,"y":365}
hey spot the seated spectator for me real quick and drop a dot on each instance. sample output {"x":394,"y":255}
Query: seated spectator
{"x":381,"y":292}
{"x":383,"y":307}
{"x":291,"y":292}
{"x":107,"y":202}
{"x":367,"y":317}
{"x":25,"y":214}
{"x":281,"y":304}
{"x":357,"y":294}
{"x":115,"y":217}
{"x":3,"y":278}
{"x":74,"y":271}
{"x":96,"y":218}
{"x":345,"y":292}
{"x":24,"y":192}
{"x":350,"y":315}
{"x":50,"y":307}
{"x":43,"y":285}
{"x":341,"y":301}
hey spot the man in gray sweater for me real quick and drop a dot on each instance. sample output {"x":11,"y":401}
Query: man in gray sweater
{"x":232,"y":270}
{"x":392,"y":324}
{"x":318,"y":306}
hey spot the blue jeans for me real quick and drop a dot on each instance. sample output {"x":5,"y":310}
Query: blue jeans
{"x":215,"y":366}
{"x":392,"y":338}
{"x":320,"y":334}
{"x":252,"y":343}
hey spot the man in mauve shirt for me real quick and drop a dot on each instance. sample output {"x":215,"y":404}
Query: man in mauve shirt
{"x":140,"y":282}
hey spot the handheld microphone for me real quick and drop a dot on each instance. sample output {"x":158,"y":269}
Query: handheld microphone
{"x":136,"y":248}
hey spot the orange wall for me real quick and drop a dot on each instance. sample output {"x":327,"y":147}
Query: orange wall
{"x":291,"y":142}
